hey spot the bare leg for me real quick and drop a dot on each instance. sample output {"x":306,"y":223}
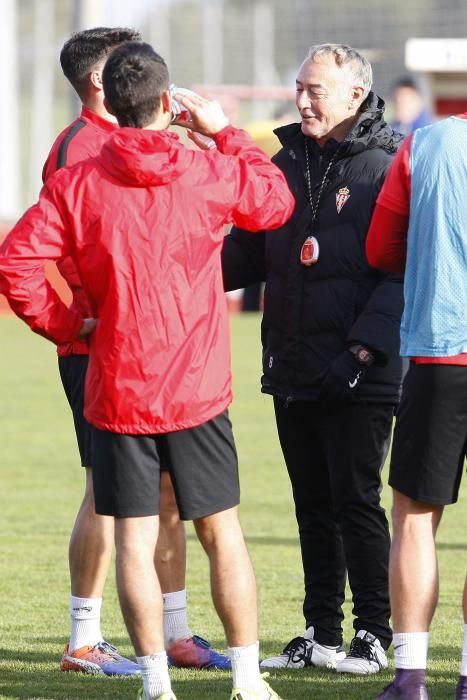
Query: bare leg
{"x":413,"y":569}
{"x":90,"y":552}
{"x":138,"y":587}
{"x":232,"y":578}
{"x":170,"y":559}
{"x":91,"y":546}
{"x":413,"y":588}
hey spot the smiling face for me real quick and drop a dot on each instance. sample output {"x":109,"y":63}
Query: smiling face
{"x":327,"y":99}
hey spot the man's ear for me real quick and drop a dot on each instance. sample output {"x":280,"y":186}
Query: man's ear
{"x":166,"y":102}
{"x":108,"y":107}
{"x":357,"y":95}
{"x":95,"y":78}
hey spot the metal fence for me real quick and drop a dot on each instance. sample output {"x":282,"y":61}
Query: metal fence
{"x":243,"y":42}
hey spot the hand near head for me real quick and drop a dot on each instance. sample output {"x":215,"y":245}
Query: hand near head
{"x":207,"y":116}
{"x":87,"y":328}
{"x":205,"y":143}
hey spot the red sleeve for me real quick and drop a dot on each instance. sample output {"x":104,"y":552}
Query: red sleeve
{"x":258,"y":189}
{"x":386,"y":243}
{"x":39,"y":236}
{"x":84,"y":143}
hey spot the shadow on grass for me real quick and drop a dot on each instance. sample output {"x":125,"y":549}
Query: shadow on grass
{"x":451,"y":546}
{"x":27,"y":657}
{"x":312,"y":684}
{"x":28,"y":675}
{"x":54,"y":685}
{"x":263,"y":539}
{"x":294,"y":542}
{"x":295,"y":685}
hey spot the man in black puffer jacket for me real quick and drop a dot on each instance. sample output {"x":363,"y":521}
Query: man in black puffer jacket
{"x":330,"y":336}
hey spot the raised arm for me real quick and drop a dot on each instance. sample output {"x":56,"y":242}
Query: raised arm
{"x":255,"y":190}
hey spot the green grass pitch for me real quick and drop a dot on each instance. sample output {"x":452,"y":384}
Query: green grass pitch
{"x":40,"y":490}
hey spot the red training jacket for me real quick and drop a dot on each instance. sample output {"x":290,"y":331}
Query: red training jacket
{"x":143,"y":222}
{"x":81,"y":140}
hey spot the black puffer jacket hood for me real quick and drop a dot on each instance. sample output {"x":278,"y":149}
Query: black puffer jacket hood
{"x":312,"y":314}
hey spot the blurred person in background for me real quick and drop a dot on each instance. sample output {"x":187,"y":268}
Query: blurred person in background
{"x":420,"y":227}
{"x":410,"y":112}
{"x":82,"y":59}
{"x":158,"y":383}
{"x":330,"y":334}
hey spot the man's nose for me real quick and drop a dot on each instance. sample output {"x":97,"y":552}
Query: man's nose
{"x":302,"y":100}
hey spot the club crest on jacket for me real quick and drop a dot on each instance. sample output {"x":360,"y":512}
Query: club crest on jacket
{"x":341,"y":198}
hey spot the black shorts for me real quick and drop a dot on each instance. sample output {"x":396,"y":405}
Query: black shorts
{"x":202,"y":463}
{"x":73,"y":373}
{"x":430,"y":436}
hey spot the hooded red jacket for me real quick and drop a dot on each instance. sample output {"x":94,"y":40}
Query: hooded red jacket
{"x":143,"y":222}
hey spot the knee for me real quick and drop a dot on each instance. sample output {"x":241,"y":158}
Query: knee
{"x":136,"y":537}
{"x":413,"y":516}
{"x":219,"y":530}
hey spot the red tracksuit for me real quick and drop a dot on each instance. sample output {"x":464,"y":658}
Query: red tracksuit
{"x":144,"y":222}
{"x":81,"y":140}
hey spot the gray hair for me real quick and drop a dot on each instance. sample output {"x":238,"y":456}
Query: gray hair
{"x":345,"y":56}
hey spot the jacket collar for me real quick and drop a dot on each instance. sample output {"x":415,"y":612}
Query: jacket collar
{"x":103,"y":124}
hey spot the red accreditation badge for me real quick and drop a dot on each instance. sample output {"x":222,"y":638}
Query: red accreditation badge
{"x":341,"y":198}
{"x":310,"y":252}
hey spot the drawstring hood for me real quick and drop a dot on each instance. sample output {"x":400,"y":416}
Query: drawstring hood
{"x":145,"y":158}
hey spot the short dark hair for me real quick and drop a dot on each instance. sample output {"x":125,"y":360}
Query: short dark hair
{"x":134,"y":78}
{"x":85,"y":49}
{"x":406,"y":81}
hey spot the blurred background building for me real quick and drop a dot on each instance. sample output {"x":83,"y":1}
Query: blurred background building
{"x":244,"y":52}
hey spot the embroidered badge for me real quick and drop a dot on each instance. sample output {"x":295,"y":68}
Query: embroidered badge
{"x":341,"y":198}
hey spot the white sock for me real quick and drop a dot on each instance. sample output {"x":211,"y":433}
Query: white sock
{"x":85,"y":616}
{"x":464,"y":654}
{"x":410,"y":649}
{"x":245,"y":667}
{"x":155,"y":674}
{"x":175,"y":617}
